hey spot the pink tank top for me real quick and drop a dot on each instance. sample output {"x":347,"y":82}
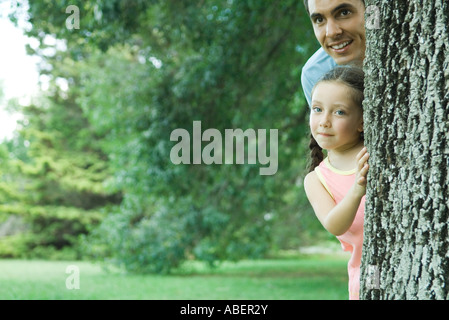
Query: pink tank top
{"x":337,"y":183}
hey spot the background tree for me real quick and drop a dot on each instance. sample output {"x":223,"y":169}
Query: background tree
{"x":52,"y":184}
{"x":406,"y":109}
{"x":139,"y":70}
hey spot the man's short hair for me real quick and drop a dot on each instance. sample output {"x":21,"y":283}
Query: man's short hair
{"x":306,"y":4}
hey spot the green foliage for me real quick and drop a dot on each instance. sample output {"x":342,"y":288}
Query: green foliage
{"x":139,"y":70}
{"x":52,"y":185}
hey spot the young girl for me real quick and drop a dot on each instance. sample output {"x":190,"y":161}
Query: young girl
{"x":336,"y":186}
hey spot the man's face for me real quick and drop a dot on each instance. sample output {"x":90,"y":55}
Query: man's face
{"x":339,"y":26}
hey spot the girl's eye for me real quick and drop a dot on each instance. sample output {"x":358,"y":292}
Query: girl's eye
{"x":340,"y":112}
{"x":316,"y":109}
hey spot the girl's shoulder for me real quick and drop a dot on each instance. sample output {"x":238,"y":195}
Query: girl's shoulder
{"x":311,"y":182}
{"x":310,"y":177}
{"x":317,"y":193}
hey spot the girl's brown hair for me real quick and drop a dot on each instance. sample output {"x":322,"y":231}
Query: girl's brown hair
{"x":353,"y":78}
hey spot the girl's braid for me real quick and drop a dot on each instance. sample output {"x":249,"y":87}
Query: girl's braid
{"x":316,"y":154}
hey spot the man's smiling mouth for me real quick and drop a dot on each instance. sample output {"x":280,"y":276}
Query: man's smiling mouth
{"x":341,"y":45}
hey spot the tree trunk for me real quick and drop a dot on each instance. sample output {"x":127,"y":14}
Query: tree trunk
{"x":406,"y":241}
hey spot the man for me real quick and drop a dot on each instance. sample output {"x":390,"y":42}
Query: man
{"x":339,"y":26}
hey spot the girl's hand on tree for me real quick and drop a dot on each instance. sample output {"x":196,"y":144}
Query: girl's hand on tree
{"x":362,"y":170}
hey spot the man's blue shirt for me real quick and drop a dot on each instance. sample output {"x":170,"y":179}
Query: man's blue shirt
{"x":313,"y":70}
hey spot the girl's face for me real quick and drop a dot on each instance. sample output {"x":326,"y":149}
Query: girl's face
{"x":336,"y":121}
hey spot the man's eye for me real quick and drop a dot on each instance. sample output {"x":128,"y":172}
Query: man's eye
{"x":318,"y":20}
{"x":345,"y":12}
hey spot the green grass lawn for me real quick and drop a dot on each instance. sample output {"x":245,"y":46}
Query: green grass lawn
{"x":306,"y":277}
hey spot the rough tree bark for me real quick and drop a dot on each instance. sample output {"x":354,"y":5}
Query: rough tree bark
{"x":407,"y":133}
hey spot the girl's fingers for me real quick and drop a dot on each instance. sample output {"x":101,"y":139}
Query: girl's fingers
{"x":362,"y":175}
{"x":363,"y":160}
{"x":364,"y":170}
{"x":363,"y":167}
{"x":362,"y":178}
{"x":361,"y":153}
